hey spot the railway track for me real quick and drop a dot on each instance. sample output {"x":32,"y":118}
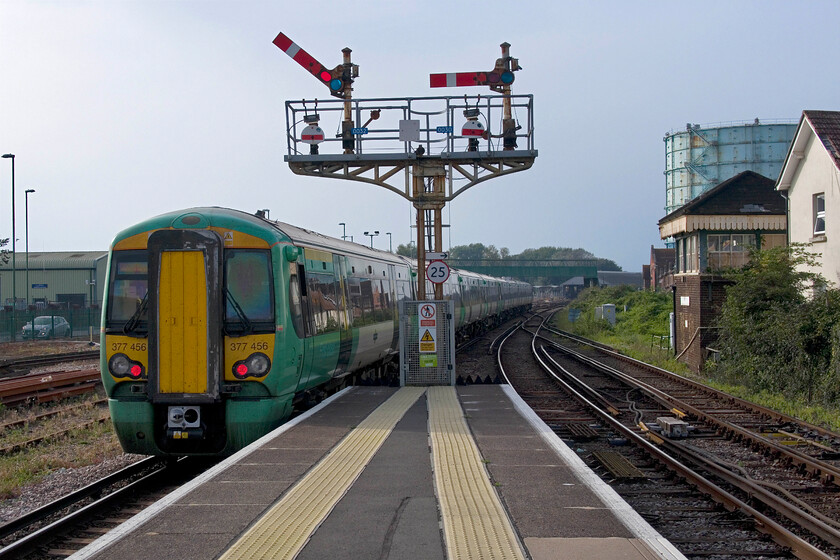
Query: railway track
{"x":21,"y":366}
{"x":67,"y":525}
{"x":46,"y":387}
{"x":693,"y":497}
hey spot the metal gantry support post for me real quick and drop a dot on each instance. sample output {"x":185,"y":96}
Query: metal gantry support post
{"x":433,"y":200}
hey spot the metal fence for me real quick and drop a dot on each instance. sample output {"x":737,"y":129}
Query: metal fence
{"x":427,"y":343}
{"x":81,"y":321}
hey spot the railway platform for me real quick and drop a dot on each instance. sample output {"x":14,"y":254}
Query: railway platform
{"x":395,"y":473}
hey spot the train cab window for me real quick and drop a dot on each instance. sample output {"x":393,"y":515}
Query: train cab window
{"x":249,"y":294}
{"x":127,"y":292}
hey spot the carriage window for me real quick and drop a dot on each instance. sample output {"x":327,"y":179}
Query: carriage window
{"x":248,"y":282}
{"x":129,"y":284}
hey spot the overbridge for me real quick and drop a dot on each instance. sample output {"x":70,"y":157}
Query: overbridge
{"x":548,"y":271}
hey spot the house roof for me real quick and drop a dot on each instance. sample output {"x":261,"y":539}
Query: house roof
{"x":62,"y":260}
{"x":826,"y":125}
{"x":620,"y":278}
{"x":746,"y":193}
{"x":662,"y":256}
{"x":747,"y":201}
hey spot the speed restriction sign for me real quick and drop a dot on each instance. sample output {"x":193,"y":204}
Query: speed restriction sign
{"x":437,"y":272}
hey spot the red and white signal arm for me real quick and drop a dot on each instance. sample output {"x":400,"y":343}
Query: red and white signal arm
{"x":472,"y":129}
{"x":437,"y":272}
{"x":312,"y":134}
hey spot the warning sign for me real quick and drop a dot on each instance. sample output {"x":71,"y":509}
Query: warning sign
{"x":428,"y":339}
{"x":428,"y":311}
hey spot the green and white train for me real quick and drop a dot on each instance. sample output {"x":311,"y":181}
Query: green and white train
{"x":217,"y":323}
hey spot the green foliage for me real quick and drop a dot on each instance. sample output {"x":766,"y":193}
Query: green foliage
{"x":640,"y":312}
{"x":640,"y":331}
{"x":474,"y":252}
{"x":779,"y":327}
{"x":408,"y":250}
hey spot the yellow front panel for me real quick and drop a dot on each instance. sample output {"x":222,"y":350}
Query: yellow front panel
{"x":182,"y":322}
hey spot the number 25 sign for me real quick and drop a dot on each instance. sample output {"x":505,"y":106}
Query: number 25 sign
{"x":437,"y":272}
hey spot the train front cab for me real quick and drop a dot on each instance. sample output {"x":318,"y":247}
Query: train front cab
{"x":189,"y":341}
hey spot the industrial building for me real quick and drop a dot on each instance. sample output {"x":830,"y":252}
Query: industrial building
{"x":56,"y":280}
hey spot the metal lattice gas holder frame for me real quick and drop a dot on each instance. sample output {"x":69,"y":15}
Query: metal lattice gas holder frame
{"x":427,"y":367}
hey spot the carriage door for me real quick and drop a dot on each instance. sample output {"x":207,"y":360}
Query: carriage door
{"x":345,"y":321}
{"x":185,"y":335}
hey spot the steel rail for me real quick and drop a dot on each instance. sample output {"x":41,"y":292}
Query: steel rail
{"x":779,"y":416}
{"x":48,"y":386}
{"x":25,"y":363}
{"x":826,"y":472}
{"x":35,"y":539}
{"x":91,"y":489}
{"x":819,"y":527}
{"x":783,"y":537}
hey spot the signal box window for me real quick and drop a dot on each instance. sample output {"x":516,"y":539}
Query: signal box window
{"x":819,"y":214}
{"x":729,"y":250}
{"x":249,"y":295}
{"x":128,"y":289}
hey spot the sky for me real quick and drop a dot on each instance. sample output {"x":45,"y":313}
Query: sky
{"x":120,"y":110}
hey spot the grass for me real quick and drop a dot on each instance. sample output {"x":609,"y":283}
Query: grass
{"x":79,"y":448}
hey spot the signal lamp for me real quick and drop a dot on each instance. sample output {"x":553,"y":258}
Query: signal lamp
{"x":336,"y":84}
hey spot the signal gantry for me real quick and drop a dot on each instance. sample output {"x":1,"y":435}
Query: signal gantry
{"x":413,"y":135}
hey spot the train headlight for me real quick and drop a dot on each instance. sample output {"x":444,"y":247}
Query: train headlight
{"x":255,"y":365}
{"x":121,"y":366}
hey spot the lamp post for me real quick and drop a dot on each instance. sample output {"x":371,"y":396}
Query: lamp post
{"x":371,"y":235}
{"x":27,"y":193}
{"x":343,"y":230}
{"x":14,"y":267}
{"x":390,"y":246}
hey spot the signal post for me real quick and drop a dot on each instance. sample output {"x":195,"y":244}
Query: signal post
{"x":418,"y":153}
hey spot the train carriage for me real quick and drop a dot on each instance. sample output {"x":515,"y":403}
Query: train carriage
{"x":217,"y":322}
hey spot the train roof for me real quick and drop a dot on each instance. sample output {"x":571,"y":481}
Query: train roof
{"x":295,"y":234}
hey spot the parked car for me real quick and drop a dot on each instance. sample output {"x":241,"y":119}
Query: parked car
{"x":47,"y":326}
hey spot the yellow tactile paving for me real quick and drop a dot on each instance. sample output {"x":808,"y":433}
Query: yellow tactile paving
{"x":285,"y":529}
{"x":475,"y":524}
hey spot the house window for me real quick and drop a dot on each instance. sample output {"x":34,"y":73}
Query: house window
{"x":729,"y":250}
{"x":819,"y":214}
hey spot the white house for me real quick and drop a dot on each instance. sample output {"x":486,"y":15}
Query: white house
{"x":810,"y":179}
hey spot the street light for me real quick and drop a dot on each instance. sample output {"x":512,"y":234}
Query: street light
{"x":343,"y":230}
{"x":390,"y":246}
{"x":372,"y":235}
{"x":27,"y":192}
{"x":14,"y":267}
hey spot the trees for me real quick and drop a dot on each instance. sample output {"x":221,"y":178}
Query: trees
{"x":779,"y":326}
